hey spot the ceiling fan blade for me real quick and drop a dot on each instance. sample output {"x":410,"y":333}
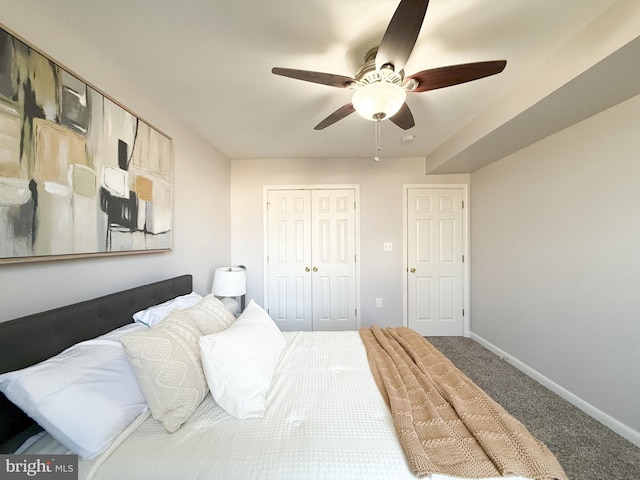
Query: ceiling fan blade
{"x":335,"y":116}
{"x":455,"y":74}
{"x":401,"y":35}
{"x":330,"y":79}
{"x":404,"y":118}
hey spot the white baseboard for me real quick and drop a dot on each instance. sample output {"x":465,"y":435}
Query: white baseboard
{"x":620,"y":428}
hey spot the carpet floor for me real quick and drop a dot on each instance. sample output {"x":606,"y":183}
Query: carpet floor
{"x":586,"y":449}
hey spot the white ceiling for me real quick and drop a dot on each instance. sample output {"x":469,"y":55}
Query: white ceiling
{"x":209,"y":61}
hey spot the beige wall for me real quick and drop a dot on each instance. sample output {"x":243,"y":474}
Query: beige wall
{"x":555,"y":248}
{"x":380,"y":209}
{"x":201,"y":195}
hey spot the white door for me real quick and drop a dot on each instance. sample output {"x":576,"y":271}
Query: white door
{"x":289,"y":258}
{"x":311,"y":274}
{"x":333,"y":243}
{"x":435,"y":261}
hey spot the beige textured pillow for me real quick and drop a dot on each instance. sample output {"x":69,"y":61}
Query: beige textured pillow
{"x":166,"y":360}
{"x":210,"y":315}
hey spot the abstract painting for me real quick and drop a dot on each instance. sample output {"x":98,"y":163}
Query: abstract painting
{"x":79,"y":174}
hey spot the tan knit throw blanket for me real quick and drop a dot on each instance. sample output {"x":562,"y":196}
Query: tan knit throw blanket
{"x":447,"y":424}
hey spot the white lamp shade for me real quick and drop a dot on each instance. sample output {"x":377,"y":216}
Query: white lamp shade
{"x":229,"y":282}
{"x":379,"y":100}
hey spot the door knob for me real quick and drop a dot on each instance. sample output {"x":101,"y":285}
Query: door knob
{"x":412,"y":270}
{"x":307,"y":269}
{"x":315,"y":269}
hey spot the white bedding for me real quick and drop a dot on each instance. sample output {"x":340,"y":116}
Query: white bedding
{"x":324,"y":419}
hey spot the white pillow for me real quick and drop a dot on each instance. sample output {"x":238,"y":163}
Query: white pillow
{"x":84,"y":397}
{"x":166,"y":359}
{"x":211,"y":315}
{"x":153,"y":315}
{"x":239,"y":362}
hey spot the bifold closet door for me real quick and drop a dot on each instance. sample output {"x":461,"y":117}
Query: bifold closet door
{"x":289,"y":258}
{"x":333,"y":258}
{"x":311,"y":271}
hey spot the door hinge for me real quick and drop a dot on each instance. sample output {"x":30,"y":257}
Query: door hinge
{"x":356,"y":312}
{"x":267,"y":258}
{"x":462,"y":258}
{"x":463,"y":312}
{"x":462,"y":203}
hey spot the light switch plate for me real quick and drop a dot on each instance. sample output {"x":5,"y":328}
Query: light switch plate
{"x":387,"y":246}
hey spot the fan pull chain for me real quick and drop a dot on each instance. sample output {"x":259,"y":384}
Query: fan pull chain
{"x":377,"y":140}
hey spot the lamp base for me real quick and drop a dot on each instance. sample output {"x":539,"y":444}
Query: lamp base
{"x":231,"y":304}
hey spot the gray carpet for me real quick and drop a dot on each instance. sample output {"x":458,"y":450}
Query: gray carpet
{"x":586,"y":449}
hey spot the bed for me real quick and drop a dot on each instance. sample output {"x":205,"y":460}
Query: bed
{"x":313,"y":406}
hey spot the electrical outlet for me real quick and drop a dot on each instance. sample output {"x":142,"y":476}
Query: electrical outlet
{"x":378,"y":302}
{"x":387,"y":247}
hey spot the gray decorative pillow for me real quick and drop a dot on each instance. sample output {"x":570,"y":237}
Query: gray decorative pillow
{"x":166,"y":360}
{"x":211,"y":315}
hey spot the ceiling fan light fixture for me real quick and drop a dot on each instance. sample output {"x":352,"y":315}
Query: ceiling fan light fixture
{"x":378,"y":101}
{"x":379,"y":84}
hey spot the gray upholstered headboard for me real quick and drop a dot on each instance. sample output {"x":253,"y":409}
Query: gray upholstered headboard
{"x":31,"y":339}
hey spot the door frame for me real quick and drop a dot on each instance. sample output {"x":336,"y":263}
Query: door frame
{"x":465,"y":249}
{"x":265,"y":239}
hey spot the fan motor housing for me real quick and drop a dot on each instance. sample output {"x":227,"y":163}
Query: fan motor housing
{"x":368,"y":73}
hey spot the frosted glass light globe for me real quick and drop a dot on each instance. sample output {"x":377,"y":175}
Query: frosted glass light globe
{"x":379,"y":100}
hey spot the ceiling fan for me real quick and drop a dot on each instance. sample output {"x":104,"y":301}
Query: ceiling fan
{"x":380,"y":86}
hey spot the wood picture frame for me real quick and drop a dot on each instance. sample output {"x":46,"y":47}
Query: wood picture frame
{"x":80,"y":175}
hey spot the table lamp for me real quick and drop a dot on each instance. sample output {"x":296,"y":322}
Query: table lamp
{"x":229,"y":283}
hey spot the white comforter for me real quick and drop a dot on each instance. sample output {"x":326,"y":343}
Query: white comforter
{"x":324,"y":419}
